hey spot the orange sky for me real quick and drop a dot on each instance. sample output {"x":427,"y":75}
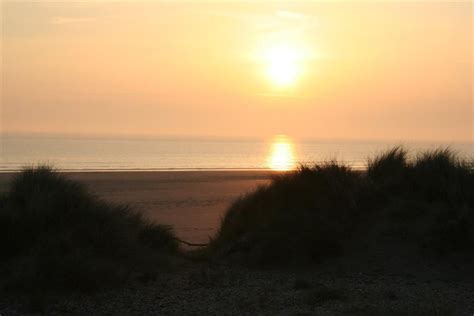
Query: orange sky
{"x":397,"y":70}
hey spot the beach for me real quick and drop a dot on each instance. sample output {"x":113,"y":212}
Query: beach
{"x":190,"y":201}
{"x":378,"y":274}
{"x":236,"y":158}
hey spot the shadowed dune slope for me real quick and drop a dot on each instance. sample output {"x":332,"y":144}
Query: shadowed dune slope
{"x":317,"y":212}
{"x":56,"y":236}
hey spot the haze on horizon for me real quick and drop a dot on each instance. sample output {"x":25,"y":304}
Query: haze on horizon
{"x":365,"y":70}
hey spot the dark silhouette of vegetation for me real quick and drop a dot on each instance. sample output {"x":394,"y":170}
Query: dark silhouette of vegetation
{"x":304,"y":215}
{"x":55,"y":236}
{"x":311,"y":214}
{"x":388,"y":169}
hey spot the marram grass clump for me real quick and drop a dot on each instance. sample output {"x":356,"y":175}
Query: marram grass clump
{"x":302,"y":216}
{"x":312,"y":213}
{"x":56,"y":236}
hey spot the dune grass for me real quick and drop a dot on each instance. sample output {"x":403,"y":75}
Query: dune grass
{"x":304,"y":215}
{"x":310,"y":214}
{"x":56,"y":236}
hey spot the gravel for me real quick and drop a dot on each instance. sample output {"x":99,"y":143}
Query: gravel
{"x":334,"y":288}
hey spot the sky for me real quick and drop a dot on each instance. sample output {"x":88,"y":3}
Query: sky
{"x":320,"y":70}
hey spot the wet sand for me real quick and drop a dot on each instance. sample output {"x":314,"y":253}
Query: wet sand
{"x":193,"y":202}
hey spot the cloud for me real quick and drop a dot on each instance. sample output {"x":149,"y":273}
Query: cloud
{"x":270,"y":20}
{"x":61,"y":20}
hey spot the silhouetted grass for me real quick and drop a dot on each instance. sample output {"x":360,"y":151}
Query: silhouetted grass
{"x":303,"y":215}
{"x":388,"y":166}
{"x":310,"y":214}
{"x":55,"y":236}
{"x":443,"y":185}
{"x":387,"y":172}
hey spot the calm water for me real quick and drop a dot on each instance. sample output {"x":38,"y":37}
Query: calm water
{"x":190,"y":154}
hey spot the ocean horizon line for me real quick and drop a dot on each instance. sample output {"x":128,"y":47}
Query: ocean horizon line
{"x":98,"y":170}
{"x":190,"y":169}
{"x":215,"y":138}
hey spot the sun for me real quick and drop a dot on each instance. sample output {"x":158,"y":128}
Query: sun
{"x":283,"y":64}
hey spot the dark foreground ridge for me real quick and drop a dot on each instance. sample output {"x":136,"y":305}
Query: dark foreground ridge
{"x":396,"y":239}
{"x":330,"y":210}
{"x":55,"y":236}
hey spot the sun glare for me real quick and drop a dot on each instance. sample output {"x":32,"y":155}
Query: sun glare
{"x":282,"y":154}
{"x":283,"y":64}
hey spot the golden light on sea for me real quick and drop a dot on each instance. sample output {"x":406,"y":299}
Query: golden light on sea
{"x":282,"y":156}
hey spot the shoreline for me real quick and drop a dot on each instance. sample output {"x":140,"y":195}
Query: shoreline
{"x":159,"y":170}
{"x":170,"y":170}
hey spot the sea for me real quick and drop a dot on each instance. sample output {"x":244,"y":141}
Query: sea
{"x":74,"y":153}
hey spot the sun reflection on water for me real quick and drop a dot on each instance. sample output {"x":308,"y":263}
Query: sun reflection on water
{"x":281,"y":155}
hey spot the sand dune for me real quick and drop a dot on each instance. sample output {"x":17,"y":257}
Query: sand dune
{"x":191,"y":201}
